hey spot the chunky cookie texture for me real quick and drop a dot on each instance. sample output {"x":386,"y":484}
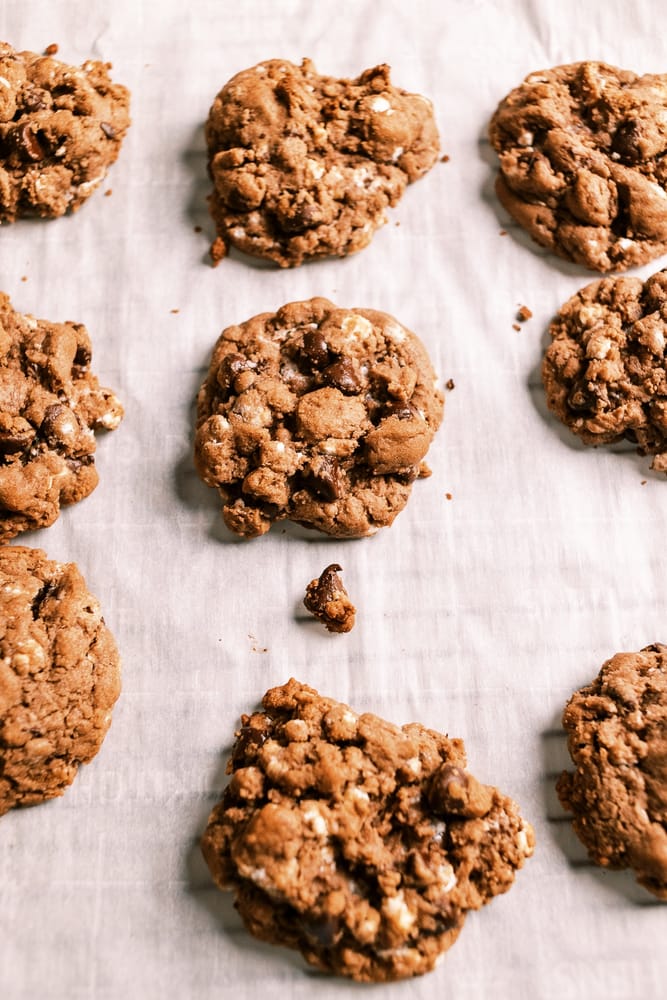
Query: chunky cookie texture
{"x":50,"y":404}
{"x":582,"y":163}
{"x":305,"y":165}
{"x":327,"y":599}
{"x":61,"y":127}
{"x":359,"y":843}
{"x":59,"y":676}
{"x":605,"y":372}
{"x":318,"y":414}
{"x":617,"y":736}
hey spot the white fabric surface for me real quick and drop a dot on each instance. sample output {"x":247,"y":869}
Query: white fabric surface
{"x":477,"y":616}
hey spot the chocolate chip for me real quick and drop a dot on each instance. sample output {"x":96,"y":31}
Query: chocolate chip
{"x":328,"y":585}
{"x":451,"y":791}
{"x":109,"y":130}
{"x":12,"y":442}
{"x":325,"y":932}
{"x":35,"y":99}
{"x":315,"y":349}
{"x":249,"y":739}
{"x":28,"y":144}
{"x":342,"y":375}
{"x":327,"y":477}
{"x":626,"y":141}
{"x":581,"y":398}
{"x":404,"y":411}
{"x":232,"y":366}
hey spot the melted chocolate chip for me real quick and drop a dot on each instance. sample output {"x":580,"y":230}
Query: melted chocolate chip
{"x":626,"y":141}
{"x":315,"y":349}
{"x":109,"y":130}
{"x":249,"y":740}
{"x":328,"y":585}
{"x":232,"y":366}
{"x":580,"y":398}
{"x":28,"y":144}
{"x":325,"y":932}
{"x":328,"y":478}
{"x":13,"y":442}
{"x":342,"y":375}
{"x":447,"y":786}
{"x":404,"y":411}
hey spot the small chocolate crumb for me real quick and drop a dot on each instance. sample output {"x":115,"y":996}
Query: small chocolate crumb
{"x":643,"y":482}
{"x":503,"y":232}
{"x":51,"y":49}
{"x":218,"y":250}
{"x":397,"y":223}
{"x":198,"y":229}
{"x":326,"y":599}
{"x":174,"y":310}
{"x":444,"y":159}
{"x":523,"y":314}
{"x":108,"y":193}
{"x":109,"y":130}
{"x":24,"y":277}
{"x":450,"y":384}
{"x":448,"y":496}
{"x":515,"y":326}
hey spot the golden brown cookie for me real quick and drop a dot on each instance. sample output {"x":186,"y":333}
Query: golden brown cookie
{"x":50,"y":405}
{"x":617,"y":736}
{"x":61,"y":128}
{"x":317,"y":414}
{"x":305,"y":165}
{"x":360,"y":843}
{"x":59,"y":676}
{"x":582,"y":163}
{"x":605,"y":372}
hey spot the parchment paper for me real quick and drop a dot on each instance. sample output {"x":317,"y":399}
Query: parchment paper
{"x":477,"y":615}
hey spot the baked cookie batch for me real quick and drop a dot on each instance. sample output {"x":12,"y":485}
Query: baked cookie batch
{"x":360,"y":843}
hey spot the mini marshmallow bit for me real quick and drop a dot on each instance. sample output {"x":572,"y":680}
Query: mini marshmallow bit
{"x":525,"y":139}
{"x":414,"y":765}
{"x":110,"y":420}
{"x":624,"y":243}
{"x":398,"y":911}
{"x":397,"y":154}
{"x":598,"y":347}
{"x":5,"y":82}
{"x":315,"y":821}
{"x":447,"y":877}
{"x":381,"y":105}
{"x":523,"y":843}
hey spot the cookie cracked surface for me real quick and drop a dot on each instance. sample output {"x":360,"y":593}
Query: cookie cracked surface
{"x":317,"y":414}
{"x":360,"y":843}
{"x":582,"y":163}
{"x":61,"y":128}
{"x":50,"y":405}
{"x":605,"y":372}
{"x":59,"y":676}
{"x":617,"y":737}
{"x":305,"y":165}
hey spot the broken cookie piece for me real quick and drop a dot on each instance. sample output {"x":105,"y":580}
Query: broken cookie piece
{"x":318,"y":414}
{"x":617,"y":737}
{"x":50,"y":406}
{"x":327,"y":599}
{"x":305,"y":166}
{"x":61,"y":128}
{"x":59,"y":676}
{"x":360,"y":843}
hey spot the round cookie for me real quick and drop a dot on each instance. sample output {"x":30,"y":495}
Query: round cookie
{"x":360,"y":843}
{"x":61,"y":128}
{"x":59,"y":676}
{"x":605,"y":372}
{"x":318,"y":414}
{"x":582,"y":164}
{"x":50,"y":404}
{"x":305,"y":165}
{"x":617,"y":736}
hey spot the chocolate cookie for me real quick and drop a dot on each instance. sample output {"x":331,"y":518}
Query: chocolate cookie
{"x":327,"y":599}
{"x":617,"y":735}
{"x":318,"y":414}
{"x":305,"y":165}
{"x":61,"y":128}
{"x":605,"y":372}
{"x":50,"y":403}
{"x":359,"y":843}
{"x":582,"y":163}
{"x":59,"y":676}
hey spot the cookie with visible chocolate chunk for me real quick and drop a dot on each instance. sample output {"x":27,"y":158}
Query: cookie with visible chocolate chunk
{"x":61,"y":128}
{"x":605,"y":372}
{"x":327,"y":599}
{"x":360,"y":843}
{"x":582,"y":163}
{"x":305,"y":165}
{"x":617,"y":736}
{"x":59,"y":676}
{"x":317,"y":414}
{"x":50,"y":406}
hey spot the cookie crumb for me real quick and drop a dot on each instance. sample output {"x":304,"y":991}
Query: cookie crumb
{"x":450,"y":384}
{"x":515,"y":326}
{"x":444,"y":159}
{"x":397,"y":223}
{"x":174,"y":311}
{"x":254,"y":647}
{"x":448,"y":496}
{"x":327,"y":599}
{"x":643,"y":482}
{"x":108,"y":193}
{"x":503,"y":232}
{"x":218,"y":250}
{"x":24,"y":277}
{"x":523,"y":313}
{"x":198,"y":229}
{"x":51,"y":49}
